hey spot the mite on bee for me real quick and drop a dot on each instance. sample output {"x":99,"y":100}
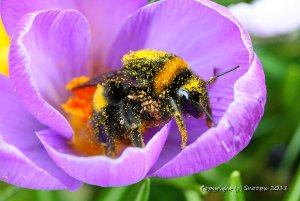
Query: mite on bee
{"x":152,"y":88}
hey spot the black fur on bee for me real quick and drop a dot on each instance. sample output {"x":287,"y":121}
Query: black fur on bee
{"x":152,"y":88}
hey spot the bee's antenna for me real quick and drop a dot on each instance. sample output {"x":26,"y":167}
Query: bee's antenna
{"x":212,"y":79}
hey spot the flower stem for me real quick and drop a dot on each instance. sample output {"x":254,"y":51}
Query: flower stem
{"x":294,"y":194}
{"x":292,"y":152}
{"x":144,"y":191}
{"x":235,"y":183}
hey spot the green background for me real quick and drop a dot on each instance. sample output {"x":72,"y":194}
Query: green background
{"x":271,"y":159}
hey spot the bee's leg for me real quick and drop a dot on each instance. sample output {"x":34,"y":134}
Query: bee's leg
{"x":110,"y":147}
{"x":180,"y":123}
{"x":110,"y":150}
{"x":209,"y":120}
{"x":208,"y":114}
{"x":110,"y":135}
{"x":105,"y":132}
{"x":137,"y":138}
{"x":132,"y":123}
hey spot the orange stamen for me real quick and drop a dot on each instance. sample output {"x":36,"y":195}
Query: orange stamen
{"x":76,"y":82}
{"x":79,"y":110}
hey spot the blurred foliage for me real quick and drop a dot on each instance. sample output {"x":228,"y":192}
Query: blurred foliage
{"x":222,"y":2}
{"x":229,"y":2}
{"x":271,"y":158}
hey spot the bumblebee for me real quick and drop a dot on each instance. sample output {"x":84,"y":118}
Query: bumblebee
{"x":152,"y":88}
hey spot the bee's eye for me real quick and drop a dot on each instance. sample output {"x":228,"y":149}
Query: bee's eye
{"x":183,"y":94}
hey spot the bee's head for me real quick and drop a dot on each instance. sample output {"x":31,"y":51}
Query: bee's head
{"x":193,"y":97}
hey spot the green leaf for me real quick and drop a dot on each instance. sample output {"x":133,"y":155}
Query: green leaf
{"x":235,"y":183}
{"x":292,"y":152}
{"x":113,"y":193}
{"x":9,"y":193}
{"x":45,"y":196}
{"x":208,"y":177}
{"x":294,"y":194}
{"x":86,"y":193}
{"x":274,"y":67}
{"x":182,"y":183}
{"x":163,"y":189}
{"x":191,"y":195}
{"x":291,"y":85}
{"x":230,"y":2}
{"x":143,"y":193}
{"x":136,"y":192}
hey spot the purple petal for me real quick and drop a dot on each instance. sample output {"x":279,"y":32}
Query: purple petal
{"x":207,"y":36}
{"x":105,"y":18}
{"x":48,"y":49}
{"x":131,"y":167}
{"x":233,"y":133}
{"x":13,"y":11}
{"x":24,"y":161}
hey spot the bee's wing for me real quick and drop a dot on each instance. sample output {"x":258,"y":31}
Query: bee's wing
{"x":117,"y":76}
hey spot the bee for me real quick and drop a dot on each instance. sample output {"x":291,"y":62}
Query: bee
{"x":152,"y":88}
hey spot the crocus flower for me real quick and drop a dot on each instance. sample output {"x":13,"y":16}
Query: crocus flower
{"x":4,"y":44}
{"x":61,"y":40}
{"x":268,"y":18}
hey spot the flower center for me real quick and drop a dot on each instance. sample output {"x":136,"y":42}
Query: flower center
{"x":4,"y":46}
{"x":79,"y":109}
